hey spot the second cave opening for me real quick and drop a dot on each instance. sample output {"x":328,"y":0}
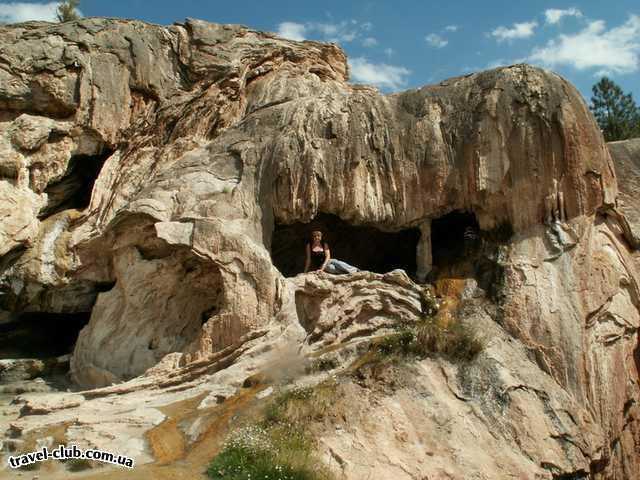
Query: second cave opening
{"x":75,"y":188}
{"x":453,"y":236}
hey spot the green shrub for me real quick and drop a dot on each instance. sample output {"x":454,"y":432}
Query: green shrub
{"x":278,"y":452}
{"x":240,"y":463}
{"x":280,"y":447}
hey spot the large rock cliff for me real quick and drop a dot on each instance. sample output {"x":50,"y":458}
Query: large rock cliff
{"x":153,"y":176}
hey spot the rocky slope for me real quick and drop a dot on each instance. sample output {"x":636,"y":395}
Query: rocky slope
{"x":147,"y":171}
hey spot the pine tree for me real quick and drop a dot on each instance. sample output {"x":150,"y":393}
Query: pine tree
{"x":616,"y":112}
{"x":67,"y":10}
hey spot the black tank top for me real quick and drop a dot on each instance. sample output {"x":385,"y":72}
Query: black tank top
{"x":317,"y":258}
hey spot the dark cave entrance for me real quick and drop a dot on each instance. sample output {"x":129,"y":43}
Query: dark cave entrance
{"x":40,"y":335}
{"x":454,"y":237}
{"x":364,"y":247}
{"x":74,"y":190}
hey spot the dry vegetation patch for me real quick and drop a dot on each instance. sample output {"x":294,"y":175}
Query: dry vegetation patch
{"x":454,"y":341}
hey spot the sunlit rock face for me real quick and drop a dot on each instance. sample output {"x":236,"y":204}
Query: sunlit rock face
{"x":144,"y":169}
{"x":626,"y":156}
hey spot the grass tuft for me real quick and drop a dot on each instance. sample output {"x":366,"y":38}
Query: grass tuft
{"x":302,"y":405}
{"x":280,"y":447}
{"x":403,"y":342}
{"x":246,"y":462}
{"x":324,"y":364}
{"x":457,"y":342}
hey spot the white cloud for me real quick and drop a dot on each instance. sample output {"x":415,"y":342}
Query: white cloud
{"x":452,"y":28}
{"x":341,"y":32}
{"x":518,"y":30}
{"x":554,"y":15}
{"x":369,"y":42}
{"x":500,"y":62}
{"x":336,"y":32}
{"x":603,"y":73}
{"x":436,"y":40}
{"x":23,"y":12}
{"x":379,"y":74}
{"x":389,"y":52}
{"x":616,"y":50}
{"x":292,"y":30}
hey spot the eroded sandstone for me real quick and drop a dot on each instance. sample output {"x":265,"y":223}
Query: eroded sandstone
{"x":205,"y":137}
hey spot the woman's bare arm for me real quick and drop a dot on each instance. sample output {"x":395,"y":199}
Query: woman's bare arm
{"x":327,"y":257}
{"x":307,"y":261}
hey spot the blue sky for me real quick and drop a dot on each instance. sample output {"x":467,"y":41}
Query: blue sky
{"x":406,"y":44}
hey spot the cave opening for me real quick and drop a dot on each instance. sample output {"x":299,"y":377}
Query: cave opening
{"x":453,"y":237}
{"x":40,"y":335}
{"x":73,"y":190}
{"x":364,"y":247}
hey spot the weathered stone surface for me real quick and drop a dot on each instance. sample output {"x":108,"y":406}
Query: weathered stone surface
{"x":331,"y":314}
{"x":212,"y":134}
{"x":20,"y":369}
{"x":626,"y":156}
{"x":582,"y":327}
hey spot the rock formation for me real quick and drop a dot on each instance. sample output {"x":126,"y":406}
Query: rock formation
{"x":147,"y":171}
{"x":626,"y":156}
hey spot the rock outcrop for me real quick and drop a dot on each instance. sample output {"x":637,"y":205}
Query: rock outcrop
{"x":626,"y":155}
{"x":144,"y":170}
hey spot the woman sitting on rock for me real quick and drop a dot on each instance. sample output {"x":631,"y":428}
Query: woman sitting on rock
{"x":319,"y":257}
